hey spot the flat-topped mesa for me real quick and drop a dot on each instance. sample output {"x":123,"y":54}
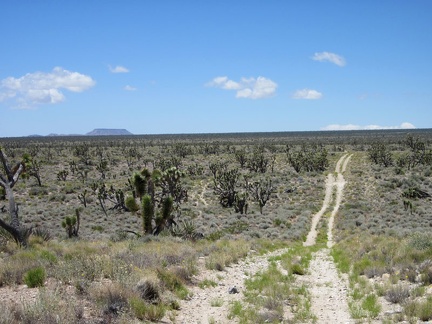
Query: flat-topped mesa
{"x":108,"y":131}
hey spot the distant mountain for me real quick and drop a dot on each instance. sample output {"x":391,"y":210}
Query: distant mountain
{"x":108,"y":131}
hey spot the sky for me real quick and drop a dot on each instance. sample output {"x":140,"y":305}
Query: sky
{"x":193,"y":66}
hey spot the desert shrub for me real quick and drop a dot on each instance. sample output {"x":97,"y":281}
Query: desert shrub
{"x":113,"y":298}
{"x":419,"y":309}
{"x":207,"y":283}
{"x":35,"y":277}
{"x":184,"y":273}
{"x":82,"y":267}
{"x":57,"y":197}
{"x":173,"y":283}
{"x":38,"y":191}
{"x":48,"y":308}
{"x":145,"y":311}
{"x":374,"y":271}
{"x":371,"y":305}
{"x":131,"y":204}
{"x":42,"y":233}
{"x":138,"y":307}
{"x":169,"y":279}
{"x":397,"y":294}
{"x":69,"y":188}
{"x":13,"y":269}
{"x":425,"y":270}
{"x":297,"y":269}
{"x":409,"y":274}
{"x":227,"y":252}
{"x":421,"y":241}
{"x":148,"y":291}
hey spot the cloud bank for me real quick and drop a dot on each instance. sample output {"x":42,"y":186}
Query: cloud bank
{"x":43,"y":88}
{"x":334,"y":127}
{"x":307,"y":94}
{"x":329,"y":57}
{"x":251,"y":88}
{"x":118,"y":69}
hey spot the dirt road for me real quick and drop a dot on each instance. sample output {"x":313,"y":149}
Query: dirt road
{"x":328,"y":290}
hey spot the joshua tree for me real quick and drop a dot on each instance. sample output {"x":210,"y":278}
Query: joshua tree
{"x":380,"y":154}
{"x":170,"y":183}
{"x":62,"y":175}
{"x":241,"y":157}
{"x":241,"y":203}
{"x":165,"y":219}
{"x":72,"y":224}
{"x":102,"y":167}
{"x":258,"y":162}
{"x":225,"y":183}
{"x":308,"y":158}
{"x":33,"y":168}
{"x":139,"y":182}
{"x":147,"y":213}
{"x":83,"y":197}
{"x":8,"y":178}
{"x":261,"y":192}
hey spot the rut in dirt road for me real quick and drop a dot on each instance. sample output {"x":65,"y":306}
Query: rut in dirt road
{"x":331,"y":182}
{"x":328,"y":290}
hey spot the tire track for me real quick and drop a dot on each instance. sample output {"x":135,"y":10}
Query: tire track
{"x":328,"y":291}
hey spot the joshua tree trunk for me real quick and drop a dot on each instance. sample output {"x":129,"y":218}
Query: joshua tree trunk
{"x":7,"y":181}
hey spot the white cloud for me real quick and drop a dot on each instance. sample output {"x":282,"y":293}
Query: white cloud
{"x":307,"y":94}
{"x":329,"y":57}
{"x":335,"y":127}
{"x":252,"y":88}
{"x":129,"y":88}
{"x":118,"y":69}
{"x":40,"y":87}
{"x":407,"y":125}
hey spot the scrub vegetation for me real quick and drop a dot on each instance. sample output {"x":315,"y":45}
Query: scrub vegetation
{"x":116,"y":229}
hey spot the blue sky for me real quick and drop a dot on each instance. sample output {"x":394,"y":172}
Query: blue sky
{"x":156,"y":67}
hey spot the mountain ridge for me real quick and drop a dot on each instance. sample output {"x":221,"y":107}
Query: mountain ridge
{"x":108,"y":131}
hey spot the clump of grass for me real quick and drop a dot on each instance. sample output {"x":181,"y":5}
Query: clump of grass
{"x":236,"y":309}
{"x":216,"y":302}
{"x":13,"y":270}
{"x":113,"y":299}
{"x":48,"y":307}
{"x":207,"y":283}
{"x":397,"y":294}
{"x":341,"y":259}
{"x":146,"y":311}
{"x":35,"y":277}
{"x":419,"y":309}
{"x":173,"y":283}
{"x":226,"y":253}
{"x":297,"y":269}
